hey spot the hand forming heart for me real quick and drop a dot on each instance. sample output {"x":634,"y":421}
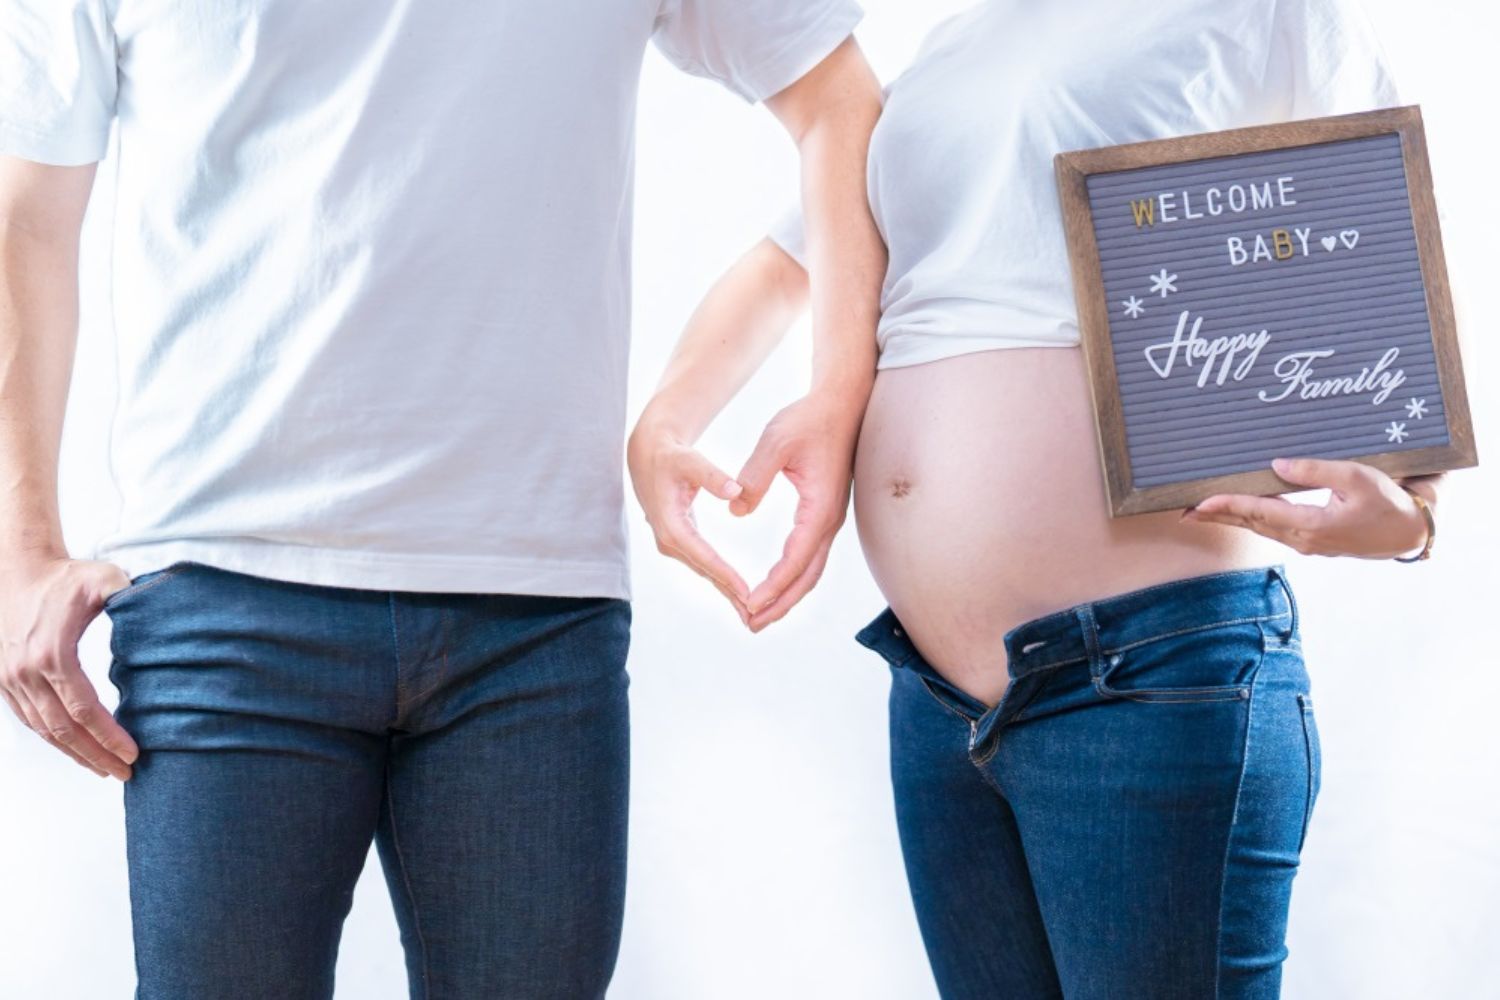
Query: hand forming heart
{"x":811,"y":443}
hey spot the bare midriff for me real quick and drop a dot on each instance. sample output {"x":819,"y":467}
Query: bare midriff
{"x":980,"y":504}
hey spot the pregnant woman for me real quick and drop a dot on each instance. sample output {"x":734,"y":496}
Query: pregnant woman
{"x":1102,"y":742}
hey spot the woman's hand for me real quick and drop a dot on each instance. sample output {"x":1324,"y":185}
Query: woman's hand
{"x":667,"y":474}
{"x":811,"y":443}
{"x":1368,"y":515}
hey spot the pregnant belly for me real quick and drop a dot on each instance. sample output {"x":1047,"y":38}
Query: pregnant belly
{"x":980,"y":505}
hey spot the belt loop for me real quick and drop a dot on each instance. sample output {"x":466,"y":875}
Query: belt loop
{"x":1279,"y":572}
{"x":1085,"y":614}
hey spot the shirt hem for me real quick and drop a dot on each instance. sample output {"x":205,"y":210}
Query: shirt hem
{"x":903,"y":352}
{"x":363,"y":570}
{"x":51,"y":148}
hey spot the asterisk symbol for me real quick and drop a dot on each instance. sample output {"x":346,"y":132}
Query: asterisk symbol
{"x":1134,"y":307}
{"x":1163,"y":282}
{"x":1416,"y":409}
{"x":1395,"y":433}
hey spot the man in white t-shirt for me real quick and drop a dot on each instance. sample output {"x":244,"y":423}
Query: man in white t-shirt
{"x":370,"y":297}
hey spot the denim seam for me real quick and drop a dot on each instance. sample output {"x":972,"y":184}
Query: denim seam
{"x":1304,"y":703}
{"x":411,"y":897}
{"x":130,"y":590}
{"x":1191,"y":629}
{"x":927,"y":686}
{"x":1234,"y":818}
{"x":396,"y":661}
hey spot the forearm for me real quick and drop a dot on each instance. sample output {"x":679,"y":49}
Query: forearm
{"x":738,"y":324}
{"x":844,"y":252}
{"x":38,"y":336}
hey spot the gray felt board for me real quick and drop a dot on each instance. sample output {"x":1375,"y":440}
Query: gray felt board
{"x":1351,"y":283}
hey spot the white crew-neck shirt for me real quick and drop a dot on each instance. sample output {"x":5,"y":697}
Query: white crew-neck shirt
{"x":961,"y":180}
{"x":371,"y":283}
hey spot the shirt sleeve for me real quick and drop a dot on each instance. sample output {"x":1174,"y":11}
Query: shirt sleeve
{"x":788,"y":233}
{"x":756,"y":48}
{"x":1328,"y":52}
{"x":58,"y":79}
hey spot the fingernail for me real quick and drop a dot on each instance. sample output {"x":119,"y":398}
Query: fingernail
{"x":734,"y":489}
{"x":1189,"y":512}
{"x":1281,"y":466}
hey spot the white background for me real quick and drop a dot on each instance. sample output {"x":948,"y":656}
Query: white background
{"x":764,"y":855}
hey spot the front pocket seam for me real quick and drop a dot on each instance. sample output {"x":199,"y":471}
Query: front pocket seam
{"x":932,"y":693}
{"x":1304,"y":703}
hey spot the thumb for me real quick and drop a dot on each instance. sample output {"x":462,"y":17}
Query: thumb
{"x":1317,"y":473}
{"x":756,"y":477}
{"x":107,"y":579}
{"x":712,"y":478}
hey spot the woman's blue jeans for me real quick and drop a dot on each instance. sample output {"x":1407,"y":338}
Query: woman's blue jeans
{"x":481,"y":741}
{"x":1126,"y":823}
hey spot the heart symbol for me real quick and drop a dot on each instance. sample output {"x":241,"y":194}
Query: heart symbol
{"x":1329,"y":242}
{"x":1350,"y":237}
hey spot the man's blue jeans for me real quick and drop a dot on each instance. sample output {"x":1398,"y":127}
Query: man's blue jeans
{"x":481,"y":740}
{"x":1126,"y":823}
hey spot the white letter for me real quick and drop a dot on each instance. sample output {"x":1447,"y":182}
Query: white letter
{"x":1260,"y":197}
{"x":1235,"y":189}
{"x":1284,"y":188}
{"x":1303,"y":234}
{"x":1212,"y":197}
{"x":1187,"y":207}
{"x":1162,"y":200}
{"x":1237,"y":253}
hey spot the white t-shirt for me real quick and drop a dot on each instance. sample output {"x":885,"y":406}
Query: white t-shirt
{"x":961,"y":178}
{"x":371,"y":283}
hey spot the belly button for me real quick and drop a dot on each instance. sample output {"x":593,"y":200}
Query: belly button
{"x":900,"y":487}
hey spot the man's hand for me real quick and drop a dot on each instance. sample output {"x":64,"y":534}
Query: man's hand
{"x":1368,"y":514}
{"x":812,"y":443}
{"x":44,"y":608}
{"x":668,"y":474}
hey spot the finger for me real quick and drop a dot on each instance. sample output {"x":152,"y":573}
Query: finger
{"x":21,"y":705}
{"x":1274,"y":513}
{"x":797,"y":554}
{"x":710,"y":477}
{"x":83,"y":706}
{"x":793,"y":595}
{"x":1320,"y":473}
{"x":756,"y":477}
{"x":684,"y":544}
{"x":65,"y":731}
{"x":1295,"y":539}
{"x":111,"y":578}
{"x":734,"y":599}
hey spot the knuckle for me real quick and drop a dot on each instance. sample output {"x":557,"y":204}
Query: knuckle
{"x":60,"y":732}
{"x":81,"y":712}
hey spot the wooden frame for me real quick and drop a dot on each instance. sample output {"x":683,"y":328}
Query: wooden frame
{"x":1074,"y":169}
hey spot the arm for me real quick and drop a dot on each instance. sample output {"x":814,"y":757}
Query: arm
{"x":732,"y":332}
{"x":830,"y":114}
{"x":46,"y":599}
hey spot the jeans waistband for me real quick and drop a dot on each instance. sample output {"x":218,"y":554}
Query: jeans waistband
{"x":1139,"y":616}
{"x":1117,"y":623}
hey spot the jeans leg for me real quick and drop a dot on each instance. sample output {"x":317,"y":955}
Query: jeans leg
{"x":1162,"y":833}
{"x":503,"y":827}
{"x":253,"y":803}
{"x":964,"y":859}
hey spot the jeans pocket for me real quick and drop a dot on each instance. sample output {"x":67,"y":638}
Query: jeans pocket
{"x":1213,"y":663}
{"x":1314,"y":763}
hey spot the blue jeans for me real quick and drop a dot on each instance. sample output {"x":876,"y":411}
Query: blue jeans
{"x":481,"y":741}
{"x":1126,"y":823}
